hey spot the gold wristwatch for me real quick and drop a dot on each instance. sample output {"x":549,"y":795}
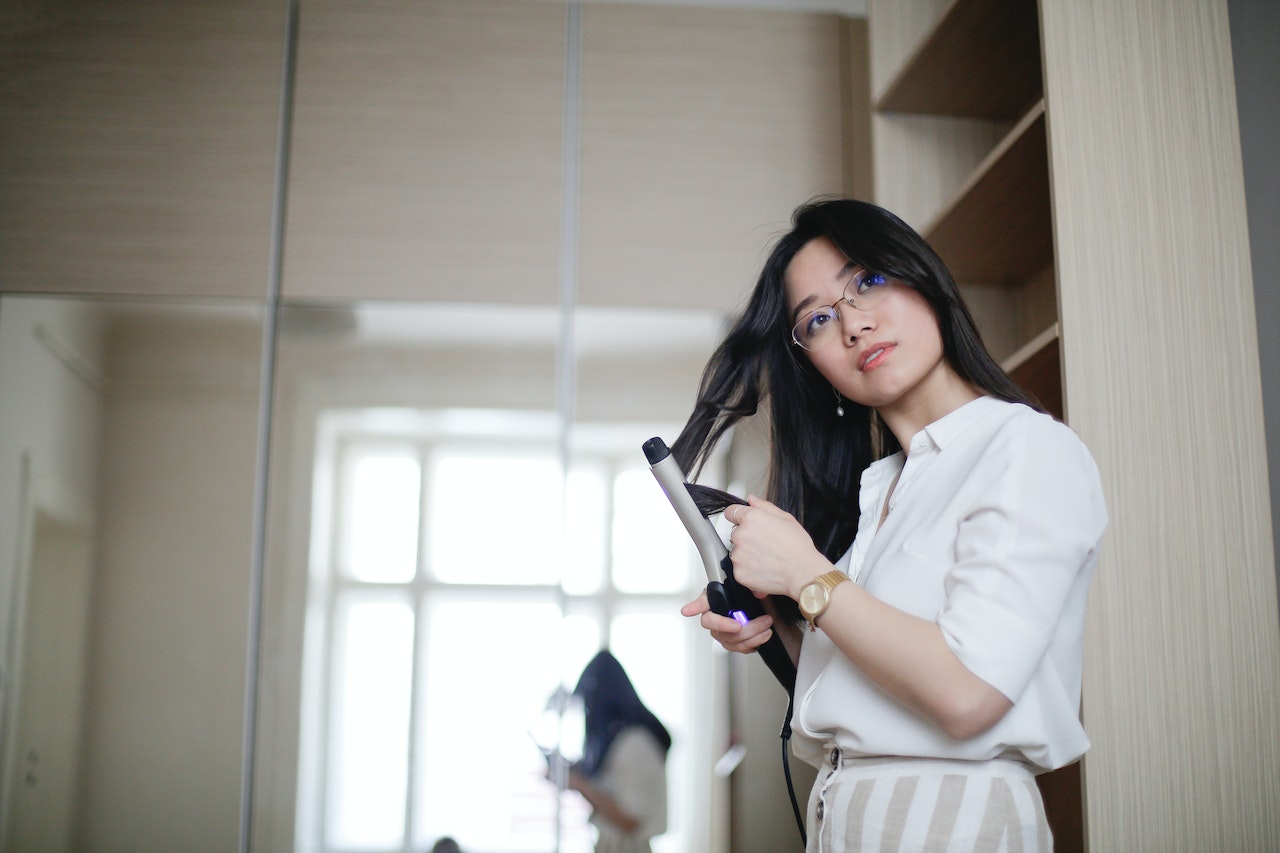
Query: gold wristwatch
{"x":816,"y":595}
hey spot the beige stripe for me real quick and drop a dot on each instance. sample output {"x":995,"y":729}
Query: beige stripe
{"x":895,"y":818}
{"x":945,"y":811}
{"x":855,"y":816}
{"x":1000,"y":819}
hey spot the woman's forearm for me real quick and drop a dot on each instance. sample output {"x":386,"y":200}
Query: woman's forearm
{"x":909,"y":659}
{"x":604,"y":805}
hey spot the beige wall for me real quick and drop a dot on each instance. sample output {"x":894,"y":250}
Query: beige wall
{"x":140,"y":146}
{"x":171,"y":620}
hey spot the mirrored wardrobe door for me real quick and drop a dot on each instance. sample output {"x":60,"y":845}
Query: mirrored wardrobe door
{"x":128,"y":440}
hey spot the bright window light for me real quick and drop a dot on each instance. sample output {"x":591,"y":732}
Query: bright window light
{"x":587,"y":509}
{"x":653,"y":647}
{"x":495,"y":519}
{"x":651,"y":550}
{"x":369,"y":734}
{"x":379,"y":531}
{"x":484,"y":777}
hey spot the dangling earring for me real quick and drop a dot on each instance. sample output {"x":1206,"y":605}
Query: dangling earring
{"x":839,"y":403}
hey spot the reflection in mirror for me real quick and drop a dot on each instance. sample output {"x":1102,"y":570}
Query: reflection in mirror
{"x":128,"y":444}
{"x":636,"y":376}
{"x":434,"y":573}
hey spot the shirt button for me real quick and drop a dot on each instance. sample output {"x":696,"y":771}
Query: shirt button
{"x":835,"y":756}
{"x":820,"y":809}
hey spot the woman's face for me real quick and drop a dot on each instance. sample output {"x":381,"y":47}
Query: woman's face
{"x":886,"y":357}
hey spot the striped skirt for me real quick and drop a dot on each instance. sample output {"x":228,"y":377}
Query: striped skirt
{"x":910,"y":804}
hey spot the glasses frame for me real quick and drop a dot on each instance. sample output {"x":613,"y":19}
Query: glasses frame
{"x":854,"y":282}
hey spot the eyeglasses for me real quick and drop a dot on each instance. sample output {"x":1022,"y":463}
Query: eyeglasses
{"x":817,"y":327}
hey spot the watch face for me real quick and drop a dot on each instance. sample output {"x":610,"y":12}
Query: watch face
{"x":813,"y":597}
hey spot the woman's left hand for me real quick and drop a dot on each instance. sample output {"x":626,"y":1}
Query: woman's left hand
{"x":772,"y":553}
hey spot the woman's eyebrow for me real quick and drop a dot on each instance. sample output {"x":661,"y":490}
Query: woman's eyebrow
{"x":845,"y":272}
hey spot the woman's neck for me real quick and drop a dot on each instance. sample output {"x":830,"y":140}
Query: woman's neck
{"x":908,"y":415}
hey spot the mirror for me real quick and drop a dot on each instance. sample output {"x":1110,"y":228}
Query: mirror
{"x":445,"y":551}
{"x":128,"y":437}
{"x":421,"y":333}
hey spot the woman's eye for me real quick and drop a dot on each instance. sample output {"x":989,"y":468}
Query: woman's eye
{"x":869,"y":281}
{"x":817,"y":321}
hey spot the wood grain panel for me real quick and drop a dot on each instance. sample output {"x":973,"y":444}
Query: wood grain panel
{"x":701,"y":130}
{"x":139,"y":142}
{"x":980,"y":58}
{"x":427,"y":151}
{"x":998,"y":229}
{"x":897,"y":28}
{"x":1182,"y":669}
{"x":922,"y":161}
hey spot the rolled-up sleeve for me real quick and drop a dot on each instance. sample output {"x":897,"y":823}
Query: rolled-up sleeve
{"x":1023,"y":539}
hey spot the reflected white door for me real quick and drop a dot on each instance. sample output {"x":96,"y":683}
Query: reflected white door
{"x":45,"y":765}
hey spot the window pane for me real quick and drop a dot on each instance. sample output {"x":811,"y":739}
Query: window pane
{"x":652,"y":552}
{"x":653,"y":648}
{"x":483,"y":777}
{"x":473,"y":542}
{"x":379,"y":524}
{"x":369,"y":729}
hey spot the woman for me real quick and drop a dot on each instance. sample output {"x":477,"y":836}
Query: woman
{"x":622,"y":774}
{"x":936,"y":527}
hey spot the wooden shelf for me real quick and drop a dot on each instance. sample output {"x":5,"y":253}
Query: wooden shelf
{"x":999,"y":228}
{"x":981,"y":59}
{"x":1037,"y":367}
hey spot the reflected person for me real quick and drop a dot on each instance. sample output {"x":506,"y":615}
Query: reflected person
{"x":622,"y":774}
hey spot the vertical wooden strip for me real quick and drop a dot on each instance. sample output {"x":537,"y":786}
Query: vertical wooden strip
{"x":1182,"y":670}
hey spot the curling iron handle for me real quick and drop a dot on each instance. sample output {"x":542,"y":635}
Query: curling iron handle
{"x":731,"y":598}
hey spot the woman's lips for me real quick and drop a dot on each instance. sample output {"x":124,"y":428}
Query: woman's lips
{"x":875,"y":356}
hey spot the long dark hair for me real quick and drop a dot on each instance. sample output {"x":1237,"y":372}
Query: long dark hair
{"x":611,"y":704}
{"x":816,"y":457}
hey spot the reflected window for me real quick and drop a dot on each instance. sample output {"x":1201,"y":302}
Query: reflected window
{"x":378,"y":520}
{"x":459,"y":578}
{"x":486,"y":505}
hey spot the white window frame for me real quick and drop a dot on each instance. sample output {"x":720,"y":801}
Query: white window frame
{"x":695,"y":728}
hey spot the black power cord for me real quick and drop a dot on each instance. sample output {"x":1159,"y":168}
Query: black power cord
{"x":786,"y":770}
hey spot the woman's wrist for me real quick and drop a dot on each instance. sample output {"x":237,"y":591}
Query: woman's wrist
{"x":805,"y":574}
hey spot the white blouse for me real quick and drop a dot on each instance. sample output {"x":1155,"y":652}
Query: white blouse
{"x":635,"y":774}
{"x":993,"y":533}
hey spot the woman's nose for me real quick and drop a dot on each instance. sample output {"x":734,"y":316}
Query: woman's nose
{"x":855,"y":321}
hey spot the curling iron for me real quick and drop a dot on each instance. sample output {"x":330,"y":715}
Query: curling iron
{"x":725,"y":595}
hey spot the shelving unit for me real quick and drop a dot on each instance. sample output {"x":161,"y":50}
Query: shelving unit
{"x":998,"y":229}
{"x":981,"y":58}
{"x":977,"y":68}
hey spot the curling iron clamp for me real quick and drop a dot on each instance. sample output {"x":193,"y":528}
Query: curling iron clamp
{"x":725,"y":595}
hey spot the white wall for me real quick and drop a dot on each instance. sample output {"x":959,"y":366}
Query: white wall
{"x":169,"y":648}
{"x":52,"y":422}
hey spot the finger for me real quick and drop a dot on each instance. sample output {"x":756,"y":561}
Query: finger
{"x":769,"y":507}
{"x":740,"y":644}
{"x":716,"y":623}
{"x":697,"y":606}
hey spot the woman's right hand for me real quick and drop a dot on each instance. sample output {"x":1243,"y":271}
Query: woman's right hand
{"x":728,"y":632}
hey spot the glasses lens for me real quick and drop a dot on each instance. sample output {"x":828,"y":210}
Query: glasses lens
{"x":815,"y":326}
{"x":866,"y":288}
